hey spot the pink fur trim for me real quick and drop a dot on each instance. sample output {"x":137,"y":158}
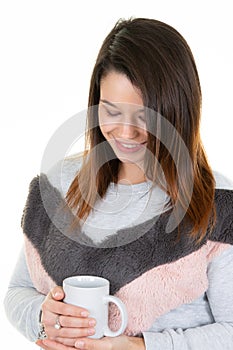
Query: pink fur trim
{"x":164,"y":288}
{"x":41,"y":280}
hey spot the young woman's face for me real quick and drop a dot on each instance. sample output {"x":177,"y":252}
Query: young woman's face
{"x":122,"y":117}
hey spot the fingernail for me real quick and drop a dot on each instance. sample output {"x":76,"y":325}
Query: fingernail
{"x":92,"y":323}
{"x":79,"y":344}
{"x":57,"y":294}
{"x":91,"y":331}
{"x":84,"y":313}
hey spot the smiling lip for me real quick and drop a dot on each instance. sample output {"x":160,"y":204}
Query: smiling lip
{"x":124,"y":149}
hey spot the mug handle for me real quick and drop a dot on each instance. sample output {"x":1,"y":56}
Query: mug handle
{"x":124,"y":316}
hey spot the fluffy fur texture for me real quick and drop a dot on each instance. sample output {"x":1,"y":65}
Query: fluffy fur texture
{"x":151,"y":275}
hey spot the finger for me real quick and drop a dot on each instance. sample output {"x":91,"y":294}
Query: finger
{"x":66,"y":341}
{"x":49,"y":319}
{"x":61,"y":308}
{"x":41,"y":345}
{"x":92,"y":344}
{"x":57,"y":293}
{"x":69,"y":332}
{"x":39,"y":342}
{"x":48,"y":344}
{"x":72,"y":322}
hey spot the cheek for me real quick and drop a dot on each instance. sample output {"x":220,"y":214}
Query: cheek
{"x":106,"y":129}
{"x":145,"y":133}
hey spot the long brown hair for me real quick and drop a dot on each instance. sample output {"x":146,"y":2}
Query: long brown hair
{"x":158,"y":61}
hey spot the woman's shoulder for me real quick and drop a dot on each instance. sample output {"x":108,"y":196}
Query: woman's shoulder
{"x":222,"y":181}
{"x":63,"y":172}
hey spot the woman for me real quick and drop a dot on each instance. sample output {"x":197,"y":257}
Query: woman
{"x":143,"y":209}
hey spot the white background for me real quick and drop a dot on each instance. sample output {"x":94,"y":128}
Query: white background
{"x":48,"y":49}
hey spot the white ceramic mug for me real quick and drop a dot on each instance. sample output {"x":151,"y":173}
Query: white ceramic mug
{"x":92,"y":293}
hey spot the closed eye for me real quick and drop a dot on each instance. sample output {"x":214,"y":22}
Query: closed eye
{"x":112,"y":114}
{"x":142,"y":117}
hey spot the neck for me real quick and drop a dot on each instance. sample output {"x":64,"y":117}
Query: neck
{"x":130,"y":173}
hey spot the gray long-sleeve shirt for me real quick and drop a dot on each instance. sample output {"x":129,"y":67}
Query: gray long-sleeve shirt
{"x":206,"y":323}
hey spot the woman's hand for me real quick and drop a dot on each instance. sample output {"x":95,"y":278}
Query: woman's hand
{"x":74,"y":320}
{"x":107,"y":343}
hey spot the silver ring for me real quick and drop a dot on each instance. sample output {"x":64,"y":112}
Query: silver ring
{"x":57,"y":324}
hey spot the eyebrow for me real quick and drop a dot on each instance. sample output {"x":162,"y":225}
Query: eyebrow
{"x":108,"y":103}
{"x":112,"y":105}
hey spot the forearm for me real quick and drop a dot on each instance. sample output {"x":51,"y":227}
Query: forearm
{"x":22,"y":306}
{"x":22,"y":301}
{"x":210,"y":337}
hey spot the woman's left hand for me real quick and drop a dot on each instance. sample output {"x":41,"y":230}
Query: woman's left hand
{"x":106,"y":343}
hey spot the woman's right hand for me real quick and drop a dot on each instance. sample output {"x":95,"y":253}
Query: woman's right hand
{"x":74,"y":320}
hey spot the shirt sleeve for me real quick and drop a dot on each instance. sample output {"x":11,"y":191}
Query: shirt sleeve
{"x":22,"y":301}
{"x":215,"y":336}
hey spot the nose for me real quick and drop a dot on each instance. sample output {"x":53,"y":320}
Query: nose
{"x":127,"y":131}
